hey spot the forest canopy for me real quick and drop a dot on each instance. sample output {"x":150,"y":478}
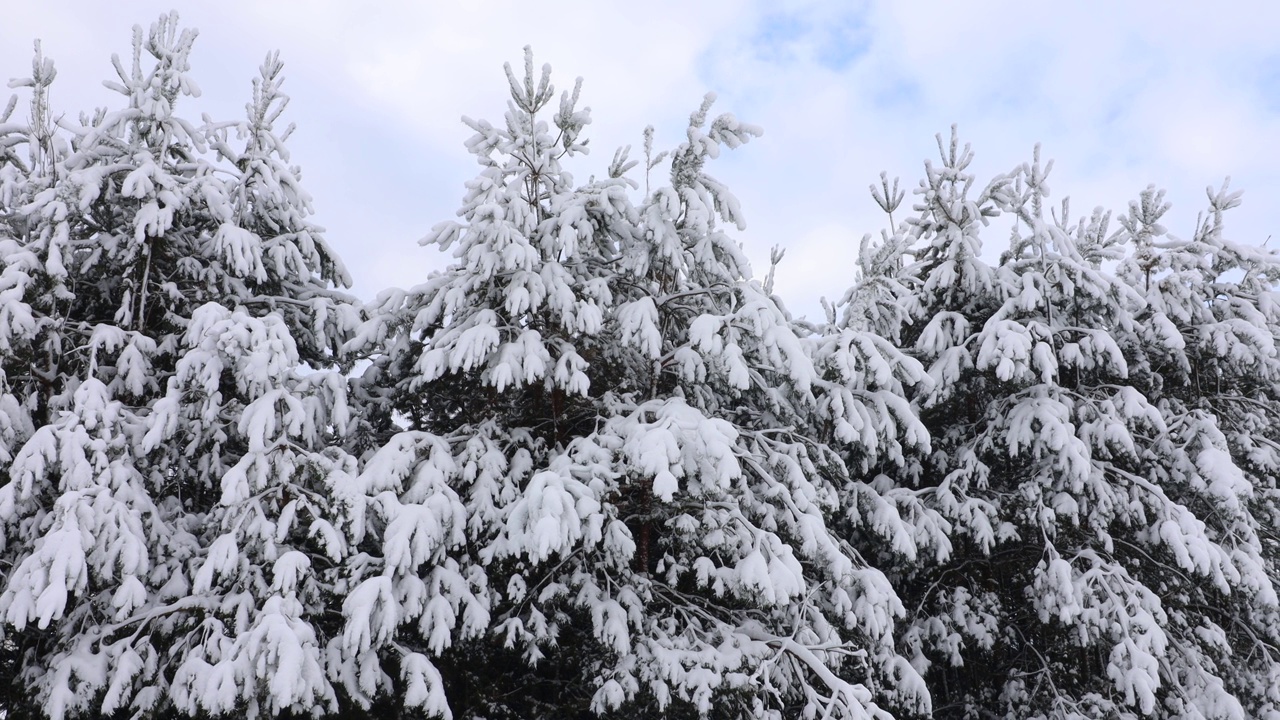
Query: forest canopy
{"x":1020,"y":469}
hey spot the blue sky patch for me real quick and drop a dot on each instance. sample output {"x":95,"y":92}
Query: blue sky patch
{"x":1269,"y":84}
{"x":833,"y":42}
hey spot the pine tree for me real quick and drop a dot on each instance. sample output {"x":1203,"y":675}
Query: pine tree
{"x":863,"y":413}
{"x":1081,"y":566}
{"x":268,"y":577}
{"x":485,"y":363}
{"x":1210,"y":328}
{"x":631,"y":518}
{"x":137,"y":389}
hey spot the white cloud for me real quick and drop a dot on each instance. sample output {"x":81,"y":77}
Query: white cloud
{"x":1121,"y":94}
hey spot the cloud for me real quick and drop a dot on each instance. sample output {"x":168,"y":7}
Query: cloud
{"x":1122,"y":95}
{"x":1120,"y":98}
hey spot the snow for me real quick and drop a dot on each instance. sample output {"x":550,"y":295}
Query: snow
{"x":554,"y":513}
{"x":595,"y":453}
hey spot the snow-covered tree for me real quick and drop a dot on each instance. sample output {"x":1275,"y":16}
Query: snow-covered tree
{"x":484,"y":364}
{"x":266,"y":253}
{"x":1211,"y":369}
{"x":160,"y":299}
{"x":268,"y":578}
{"x":594,"y":468}
{"x":606,"y":499}
{"x":1101,"y":555}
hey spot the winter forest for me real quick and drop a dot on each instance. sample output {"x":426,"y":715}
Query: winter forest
{"x":1025,"y":466}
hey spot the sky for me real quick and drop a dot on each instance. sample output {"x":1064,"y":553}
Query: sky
{"x":1179,"y":94}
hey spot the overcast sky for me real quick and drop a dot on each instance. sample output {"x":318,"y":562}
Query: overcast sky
{"x":1178,"y":93}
